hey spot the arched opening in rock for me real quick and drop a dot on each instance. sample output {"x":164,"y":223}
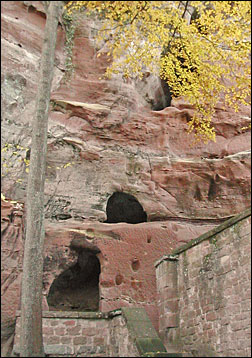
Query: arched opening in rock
{"x":165,"y":97}
{"x":123,"y":207}
{"x":77,"y":288}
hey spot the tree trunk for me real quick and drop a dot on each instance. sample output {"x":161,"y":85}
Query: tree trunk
{"x":31,"y":342}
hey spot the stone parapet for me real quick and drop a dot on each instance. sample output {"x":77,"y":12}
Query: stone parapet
{"x":72,"y":334}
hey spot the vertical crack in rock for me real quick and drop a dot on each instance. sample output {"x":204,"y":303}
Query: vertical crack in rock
{"x":212,"y":192}
{"x":197,"y":194}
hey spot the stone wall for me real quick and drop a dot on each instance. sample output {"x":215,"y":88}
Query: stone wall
{"x":83,"y":334}
{"x":127,"y":332}
{"x":204,"y":291}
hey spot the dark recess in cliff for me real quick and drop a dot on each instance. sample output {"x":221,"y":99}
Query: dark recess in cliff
{"x":123,"y":207}
{"x":77,"y":288}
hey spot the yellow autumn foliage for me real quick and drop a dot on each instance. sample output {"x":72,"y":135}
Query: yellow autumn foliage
{"x":201,"y":48}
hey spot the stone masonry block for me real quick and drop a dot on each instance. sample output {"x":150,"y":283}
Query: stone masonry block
{"x":53,"y":322}
{"x":102,"y":323}
{"x":99,"y":341}
{"x":86,"y":350}
{"x":89,"y":331}
{"x":60,"y":331}
{"x":169,"y":320}
{"x":171,"y":306}
{"x":75,"y":331}
{"x":211,"y":316}
{"x":169,"y":293}
{"x":79,"y":340}
{"x":235,"y":298}
{"x":51,"y":339}
{"x":48,"y":331}
{"x":164,"y":267}
{"x":46,"y":322}
{"x":240,"y":325}
{"x":58,"y":349}
{"x":70,"y":322}
{"x":66,"y":340}
{"x":163,"y":282}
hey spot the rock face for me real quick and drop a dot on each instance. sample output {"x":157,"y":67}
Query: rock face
{"x":104,"y":137}
{"x":108,"y":136}
{"x":126,"y":255}
{"x":11,"y":266}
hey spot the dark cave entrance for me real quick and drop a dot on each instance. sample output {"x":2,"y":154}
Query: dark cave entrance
{"x":123,"y":207}
{"x":77,"y":288}
{"x":165,"y":97}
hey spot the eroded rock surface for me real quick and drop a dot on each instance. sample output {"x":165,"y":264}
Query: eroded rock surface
{"x":12,"y":225}
{"x":104,"y":137}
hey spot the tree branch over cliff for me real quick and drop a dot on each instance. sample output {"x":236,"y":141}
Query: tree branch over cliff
{"x":201,"y":49}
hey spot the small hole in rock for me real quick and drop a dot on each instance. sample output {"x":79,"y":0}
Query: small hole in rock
{"x":118,"y":279}
{"x":135,"y":265}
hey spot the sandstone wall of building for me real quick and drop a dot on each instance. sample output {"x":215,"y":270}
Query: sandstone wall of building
{"x":204,"y":291}
{"x":78,"y":334}
{"x":127,"y":332}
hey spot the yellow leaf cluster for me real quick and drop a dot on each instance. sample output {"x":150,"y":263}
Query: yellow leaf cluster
{"x":201,"y":48}
{"x":17,"y":205}
{"x":3,"y":197}
{"x":64,"y":166}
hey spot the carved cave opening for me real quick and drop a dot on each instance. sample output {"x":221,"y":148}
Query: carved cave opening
{"x":77,"y":288}
{"x":164,"y":99}
{"x":123,"y":207}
